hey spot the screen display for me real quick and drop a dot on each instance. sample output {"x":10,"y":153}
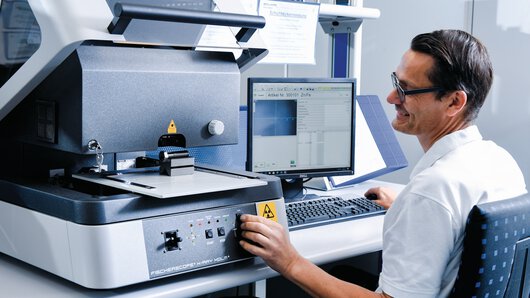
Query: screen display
{"x":301,"y":127}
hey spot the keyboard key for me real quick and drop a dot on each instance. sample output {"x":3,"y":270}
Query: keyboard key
{"x":316,"y":218}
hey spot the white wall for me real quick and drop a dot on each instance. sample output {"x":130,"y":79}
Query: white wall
{"x":505,"y":117}
{"x":504,"y":26}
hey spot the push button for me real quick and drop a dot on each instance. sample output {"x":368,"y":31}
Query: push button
{"x":208,"y":233}
{"x":220,"y":231}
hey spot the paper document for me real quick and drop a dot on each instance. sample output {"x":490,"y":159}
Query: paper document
{"x":289,"y":32}
{"x":219,"y":36}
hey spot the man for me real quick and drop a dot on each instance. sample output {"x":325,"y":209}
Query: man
{"x":439,"y":88}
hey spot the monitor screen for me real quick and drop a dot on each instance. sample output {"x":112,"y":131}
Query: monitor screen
{"x":301,"y":127}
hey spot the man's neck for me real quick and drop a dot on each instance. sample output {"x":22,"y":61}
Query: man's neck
{"x":427,"y":141}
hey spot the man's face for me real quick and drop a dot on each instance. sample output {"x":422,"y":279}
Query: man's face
{"x":420,"y":114}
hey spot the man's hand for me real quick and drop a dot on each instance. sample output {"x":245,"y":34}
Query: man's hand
{"x":384,"y":196}
{"x":270,"y":242}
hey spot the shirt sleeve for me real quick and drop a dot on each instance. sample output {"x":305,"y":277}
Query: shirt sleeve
{"x":417,"y":241}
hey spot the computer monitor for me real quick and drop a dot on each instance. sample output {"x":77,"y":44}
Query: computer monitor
{"x":299,"y":128}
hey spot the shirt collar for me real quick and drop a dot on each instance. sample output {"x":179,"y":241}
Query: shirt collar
{"x":445,"y":145}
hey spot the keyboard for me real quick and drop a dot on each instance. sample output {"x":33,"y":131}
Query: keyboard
{"x":327,"y":210}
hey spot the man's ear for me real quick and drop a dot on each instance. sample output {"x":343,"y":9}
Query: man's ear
{"x":457,"y":101}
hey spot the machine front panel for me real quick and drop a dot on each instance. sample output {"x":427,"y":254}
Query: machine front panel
{"x":187,"y":242}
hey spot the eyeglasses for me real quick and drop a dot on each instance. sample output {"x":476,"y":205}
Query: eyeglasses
{"x":402,"y":93}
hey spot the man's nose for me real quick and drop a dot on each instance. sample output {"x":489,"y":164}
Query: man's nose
{"x":393,"y":97}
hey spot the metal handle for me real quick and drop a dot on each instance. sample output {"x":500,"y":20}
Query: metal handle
{"x":125,"y":12}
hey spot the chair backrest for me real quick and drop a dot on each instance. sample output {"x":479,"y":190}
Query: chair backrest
{"x":496,"y":258}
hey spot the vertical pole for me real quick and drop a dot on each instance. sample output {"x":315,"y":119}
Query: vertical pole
{"x":356,"y":46}
{"x":346,"y":51}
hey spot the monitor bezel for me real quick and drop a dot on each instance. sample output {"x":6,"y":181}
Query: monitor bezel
{"x":299,"y":174}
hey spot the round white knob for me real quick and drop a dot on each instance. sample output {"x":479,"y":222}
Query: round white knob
{"x":216,"y":127}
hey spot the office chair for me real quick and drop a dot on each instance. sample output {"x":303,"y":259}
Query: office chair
{"x":496,"y":255}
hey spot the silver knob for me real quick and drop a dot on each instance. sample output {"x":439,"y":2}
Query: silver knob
{"x":216,"y":127}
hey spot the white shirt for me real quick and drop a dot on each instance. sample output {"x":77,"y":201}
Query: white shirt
{"x":424,"y":228}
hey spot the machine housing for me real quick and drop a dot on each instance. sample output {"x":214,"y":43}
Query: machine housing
{"x":90,"y":91}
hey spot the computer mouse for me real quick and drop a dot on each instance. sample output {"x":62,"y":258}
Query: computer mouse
{"x":371,"y":196}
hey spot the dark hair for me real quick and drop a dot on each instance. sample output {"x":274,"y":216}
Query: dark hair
{"x":461,"y":63}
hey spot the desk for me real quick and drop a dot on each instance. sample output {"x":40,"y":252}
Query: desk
{"x":321,"y":245}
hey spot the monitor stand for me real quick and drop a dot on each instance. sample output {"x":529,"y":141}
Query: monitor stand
{"x":293,"y":190}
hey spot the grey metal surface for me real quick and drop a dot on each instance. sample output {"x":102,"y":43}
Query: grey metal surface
{"x":340,"y":26}
{"x":201,"y":245}
{"x":159,"y":32}
{"x":125,"y":98}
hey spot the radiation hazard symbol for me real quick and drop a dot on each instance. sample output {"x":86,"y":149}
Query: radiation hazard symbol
{"x":172,"y":128}
{"x":268,"y":210}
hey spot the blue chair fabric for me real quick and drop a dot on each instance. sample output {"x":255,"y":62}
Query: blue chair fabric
{"x":495,"y":260}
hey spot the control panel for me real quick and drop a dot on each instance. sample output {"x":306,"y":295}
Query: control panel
{"x":189,"y":241}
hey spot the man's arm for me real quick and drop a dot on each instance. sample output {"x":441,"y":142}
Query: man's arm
{"x":271,"y":243}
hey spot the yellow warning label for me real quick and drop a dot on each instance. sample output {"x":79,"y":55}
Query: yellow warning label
{"x":172,"y":128}
{"x":267,"y":210}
